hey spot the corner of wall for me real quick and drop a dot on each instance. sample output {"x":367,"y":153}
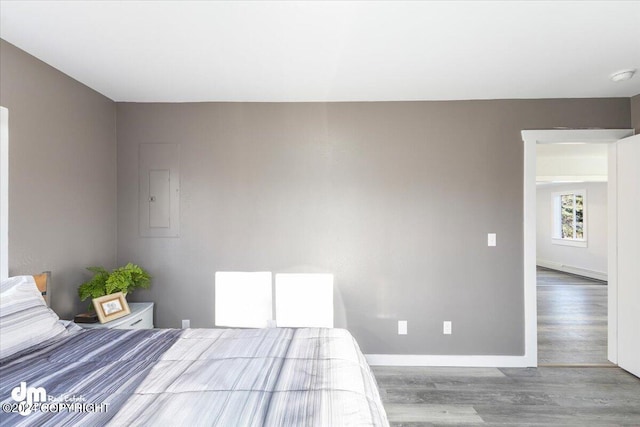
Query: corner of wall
{"x":63,"y":157}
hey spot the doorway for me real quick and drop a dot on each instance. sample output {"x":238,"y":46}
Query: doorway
{"x":571,"y":253}
{"x":531,"y":139}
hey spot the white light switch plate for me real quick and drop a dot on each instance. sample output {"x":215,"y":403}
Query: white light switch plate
{"x":402,"y":327}
{"x":491,"y":239}
{"x":446,"y":327}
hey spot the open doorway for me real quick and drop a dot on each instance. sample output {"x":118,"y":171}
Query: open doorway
{"x":531,"y":139}
{"x":571,"y":253}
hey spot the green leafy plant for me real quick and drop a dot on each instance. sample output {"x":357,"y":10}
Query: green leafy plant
{"x":123,"y":279}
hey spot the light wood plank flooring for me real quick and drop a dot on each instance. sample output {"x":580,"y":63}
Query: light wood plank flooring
{"x":572,"y":319}
{"x":419,"y":396}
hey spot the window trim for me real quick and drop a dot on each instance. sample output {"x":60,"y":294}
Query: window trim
{"x":556,"y":238}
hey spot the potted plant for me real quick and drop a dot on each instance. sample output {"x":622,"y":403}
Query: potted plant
{"x":124,"y":279}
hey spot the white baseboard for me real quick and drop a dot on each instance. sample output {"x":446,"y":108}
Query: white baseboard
{"x":598,"y":275}
{"x":450,"y":361}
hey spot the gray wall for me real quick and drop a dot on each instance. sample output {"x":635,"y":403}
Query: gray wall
{"x":62,"y":174}
{"x":395,"y":199}
{"x":592,"y":258}
{"x":635,"y":113}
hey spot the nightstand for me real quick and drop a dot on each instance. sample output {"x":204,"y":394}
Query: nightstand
{"x":141,"y":317}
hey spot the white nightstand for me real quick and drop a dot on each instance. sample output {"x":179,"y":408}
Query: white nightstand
{"x":141,"y":317}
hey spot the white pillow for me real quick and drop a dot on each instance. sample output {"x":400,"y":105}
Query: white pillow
{"x":25,"y":319}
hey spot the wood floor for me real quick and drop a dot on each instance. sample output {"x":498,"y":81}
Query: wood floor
{"x":572,"y":319}
{"x":572,"y":329}
{"x":418,"y":396}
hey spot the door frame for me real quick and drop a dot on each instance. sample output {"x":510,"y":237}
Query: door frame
{"x":553,"y":136}
{"x":4,"y":193}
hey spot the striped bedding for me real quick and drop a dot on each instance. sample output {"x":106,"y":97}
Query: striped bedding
{"x":201,"y":377}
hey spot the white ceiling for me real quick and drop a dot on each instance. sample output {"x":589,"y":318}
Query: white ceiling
{"x":162,"y":51}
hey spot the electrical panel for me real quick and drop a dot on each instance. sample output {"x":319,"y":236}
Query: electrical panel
{"x":159,"y":190}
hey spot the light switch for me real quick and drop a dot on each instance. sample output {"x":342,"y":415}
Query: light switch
{"x":402,"y":327}
{"x":446,"y":327}
{"x":491,"y":239}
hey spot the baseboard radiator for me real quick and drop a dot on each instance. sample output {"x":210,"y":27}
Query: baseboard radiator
{"x":592,"y":274}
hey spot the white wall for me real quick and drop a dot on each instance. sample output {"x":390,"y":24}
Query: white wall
{"x":571,"y":162}
{"x":590,"y":261}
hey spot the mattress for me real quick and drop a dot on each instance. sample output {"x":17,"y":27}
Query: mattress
{"x":196,"y":377}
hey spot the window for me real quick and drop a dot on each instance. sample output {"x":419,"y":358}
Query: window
{"x":569,"y":218}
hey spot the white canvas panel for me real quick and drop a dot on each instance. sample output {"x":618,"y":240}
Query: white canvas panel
{"x":304,"y":300}
{"x":243,"y":299}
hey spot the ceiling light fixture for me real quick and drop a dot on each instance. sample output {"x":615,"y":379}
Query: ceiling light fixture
{"x":622,"y":75}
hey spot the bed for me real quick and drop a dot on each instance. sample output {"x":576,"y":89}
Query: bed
{"x":191,"y":377}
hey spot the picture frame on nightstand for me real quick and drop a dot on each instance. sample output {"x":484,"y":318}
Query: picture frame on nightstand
{"x":111,"y":307}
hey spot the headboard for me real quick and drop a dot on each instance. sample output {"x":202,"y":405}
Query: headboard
{"x":43,"y":282}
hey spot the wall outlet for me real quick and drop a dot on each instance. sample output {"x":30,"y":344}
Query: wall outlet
{"x":186,"y":323}
{"x":402,"y":327}
{"x":491,"y":239}
{"x":446,"y":327}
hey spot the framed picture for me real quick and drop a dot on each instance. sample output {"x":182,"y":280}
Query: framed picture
{"x":111,"y":307}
